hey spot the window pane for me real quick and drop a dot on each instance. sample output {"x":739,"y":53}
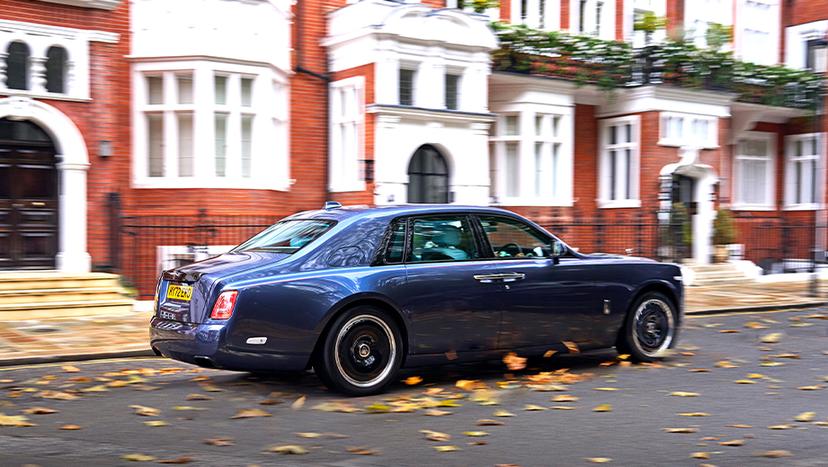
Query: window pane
{"x":613,"y":175}
{"x":155,"y":145}
{"x":221,"y":90}
{"x":185,"y":145}
{"x":56,"y":69}
{"x":628,"y":174}
{"x":185,"y":89}
{"x":452,"y":88}
{"x":442,"y":239}
{"x":246,"y":144}
{"x":246,"y":92}
{"x":155,"y":88}
{"x":613,"y":130}
{"x":814,"y":150}
{"x":510,"y":238}
{"x":539,"y":125}
{"x":556,"y":149}
{"x":628,"y":133}
{"x":512,"y":170}
{"x":17,"y":66}
{"x":556,"y":123}
{"x":221,"y":144}
{"x":406,"y":87}
{"x":511,"y":125}
{"x":396,"y":244}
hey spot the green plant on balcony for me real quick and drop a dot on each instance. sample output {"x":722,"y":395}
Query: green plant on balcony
{"x":649,"y":23}
{"x":614,"y":64}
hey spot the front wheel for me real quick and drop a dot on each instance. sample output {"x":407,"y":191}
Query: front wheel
{"x":361,"y":352}
{"x":650,"y":329}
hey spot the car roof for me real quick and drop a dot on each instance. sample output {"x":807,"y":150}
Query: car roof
{"x":348,"y":212}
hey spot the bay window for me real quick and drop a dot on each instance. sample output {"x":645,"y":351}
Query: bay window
{"x":803,"y":165}
{"x":677,"y":129}
{"x":531,"y":158}
{"x":618,"y":162}
{"x":753,"y":182}
{"x":200,"y":124}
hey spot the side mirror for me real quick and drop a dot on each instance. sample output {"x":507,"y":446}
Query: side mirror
{"x":558,"y":250}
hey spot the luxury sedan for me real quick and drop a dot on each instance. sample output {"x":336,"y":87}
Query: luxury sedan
{"x":356,"y":293}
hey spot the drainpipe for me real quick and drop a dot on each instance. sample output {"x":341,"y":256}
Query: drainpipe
{"x":324,"y":77}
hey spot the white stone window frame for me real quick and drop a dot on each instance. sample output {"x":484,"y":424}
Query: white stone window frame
{"x":688,"y":131}
{"x":790,"y":172}
{"x":769,"y":204}
{"x":633,"y":199}
{"x":540,"y":14}
{"x":269,"y":169}
{"x":39,"y":37}
{"x":603,"y":28}
{"x":346,"y":170}
{"x":526,"y":139}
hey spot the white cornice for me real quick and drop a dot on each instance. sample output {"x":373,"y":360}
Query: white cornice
{"x":668,"y":98}
{"x":91,"y":35}
{"x":98,"y":4}
{"x":433,"y":115}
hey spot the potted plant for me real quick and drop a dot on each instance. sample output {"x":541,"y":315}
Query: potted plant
{"x":724,"y":233}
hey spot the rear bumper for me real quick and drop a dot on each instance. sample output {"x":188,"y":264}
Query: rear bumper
{"x":204,"y":345}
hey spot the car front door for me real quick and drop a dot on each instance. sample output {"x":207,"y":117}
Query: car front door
{"x":546,"y":300}
{"x":450,"y":305}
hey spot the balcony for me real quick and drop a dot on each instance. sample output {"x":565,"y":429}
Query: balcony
{"x":614,"y":65}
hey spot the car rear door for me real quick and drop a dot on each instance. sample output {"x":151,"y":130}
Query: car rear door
{"x":450,"y":305}
{"x":546,"y":301}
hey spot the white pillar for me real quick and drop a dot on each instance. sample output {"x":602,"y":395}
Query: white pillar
{"x":703,"y":220}
{"x":72,"y":254}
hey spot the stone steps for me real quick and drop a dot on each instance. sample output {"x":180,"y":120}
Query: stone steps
{"x":51,"y":294}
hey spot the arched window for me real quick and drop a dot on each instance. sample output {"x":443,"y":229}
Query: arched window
{"x":17,"y":66}
{"x":56,"y":69}
{"x":428,"y":176}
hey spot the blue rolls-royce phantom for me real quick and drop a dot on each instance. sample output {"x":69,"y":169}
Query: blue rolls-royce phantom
{"x":356,"y":293}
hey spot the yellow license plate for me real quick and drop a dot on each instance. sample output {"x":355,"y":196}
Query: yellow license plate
{"x":179,"y":292}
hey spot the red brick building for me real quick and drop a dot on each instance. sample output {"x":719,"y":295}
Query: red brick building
{"x":166,"y":131}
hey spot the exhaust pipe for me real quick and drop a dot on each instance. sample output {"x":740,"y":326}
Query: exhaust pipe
{"x":203,"y":361}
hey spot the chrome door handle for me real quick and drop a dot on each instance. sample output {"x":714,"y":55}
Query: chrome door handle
{"x":505,"y":277}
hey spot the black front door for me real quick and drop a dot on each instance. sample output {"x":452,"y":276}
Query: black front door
{"x":28,"y":197}
{"x":428,"y":177}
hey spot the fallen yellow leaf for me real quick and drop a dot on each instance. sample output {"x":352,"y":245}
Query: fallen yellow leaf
{"x":564,"y":398}
{"x":503,"y":413}
{"x":781,"y":427}
{"x":137,"y":458}
{"x":70,"y":427}
{"x":15,"y":420}
{"x":533,"y":408}
{"x":774,"y":454}
{"x":156,"y":423}
{"x":700,"y":455}
{"x":489,"y":422}
{"x":251,"y":413}
{"x":602,"y":408}
{"x":815,"y":387}
{"x":599,"y":460}
{"x":144,"y":411}
{"x":437,"y":413}
{"x":70,"y":369}
{"x":39,"y":411}
{"x":684,"y":394}
{"x":475,"y":434}
{"x":772,"y":338}
{"x":298,"y":403}
{"x":219,"y":441}
{"x":432,"y":435}
{"x":694,"y":414}
{"x":289,"y":449}
{"x":446,"y":448}
{"x":805,"y":417}
{"x":682,"y":430}
{"x":733,"y":442}
{"x":198,"y":397}
{"x":413,"y":380}
{"x":571,"y":346}
{"x":513,"y":362}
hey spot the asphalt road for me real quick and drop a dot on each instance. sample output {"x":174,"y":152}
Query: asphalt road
{"x":723,"y":386}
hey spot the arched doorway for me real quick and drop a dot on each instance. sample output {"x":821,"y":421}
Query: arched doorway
{"x":28,"y":197}
{"x":428,"y":176}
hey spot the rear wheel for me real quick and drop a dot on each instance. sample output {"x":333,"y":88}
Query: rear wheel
{"x":361,"y":353}
{"x":650,"y":329}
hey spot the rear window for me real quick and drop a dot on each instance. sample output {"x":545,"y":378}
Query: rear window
{"x":286,"y":236}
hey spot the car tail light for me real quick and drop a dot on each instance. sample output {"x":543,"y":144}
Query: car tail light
{"x":223,"y":309}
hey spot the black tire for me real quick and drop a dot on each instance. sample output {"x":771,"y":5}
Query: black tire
{"x":651,"y":328}
{"x":361,"y":352}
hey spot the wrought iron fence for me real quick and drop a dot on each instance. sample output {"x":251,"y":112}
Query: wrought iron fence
{"x":150,"y":244}
{"x":146,"y":245}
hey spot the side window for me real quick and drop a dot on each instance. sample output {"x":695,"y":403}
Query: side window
{"x":396,"y":245}
{"x":511,"y":238}
{"x":442,"y":239}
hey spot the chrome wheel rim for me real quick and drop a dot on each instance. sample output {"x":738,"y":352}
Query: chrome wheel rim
{"x":365,"y":351}
{"x":653,"y":327}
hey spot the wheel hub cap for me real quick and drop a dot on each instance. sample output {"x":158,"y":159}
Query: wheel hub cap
{"x":364,"y":350}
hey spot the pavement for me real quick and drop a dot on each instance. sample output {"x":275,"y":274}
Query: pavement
{"x":89,"y":337}
{"x":741,"y":389}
